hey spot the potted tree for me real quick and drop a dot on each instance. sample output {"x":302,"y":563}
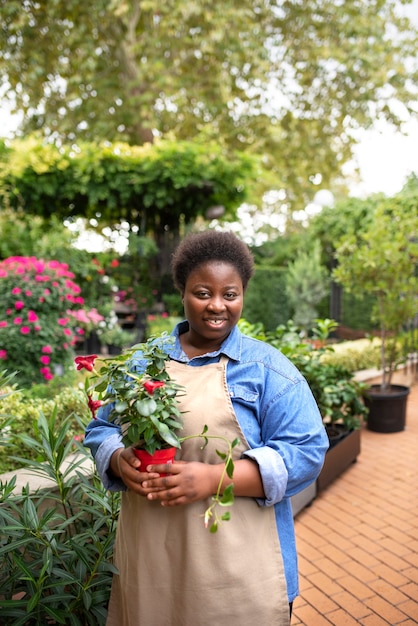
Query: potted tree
{"x":382,"y":260}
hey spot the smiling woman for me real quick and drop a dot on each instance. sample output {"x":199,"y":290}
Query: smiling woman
{"x":212,"y":293}
{"x":250,"y":393}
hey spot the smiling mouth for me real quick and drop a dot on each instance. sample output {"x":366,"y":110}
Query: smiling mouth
{"x":216,"y":322}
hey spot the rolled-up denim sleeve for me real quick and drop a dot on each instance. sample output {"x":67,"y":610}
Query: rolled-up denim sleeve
{"x":273,"y":474}
{"x":103,"y":437}
{"x":102,"y":459}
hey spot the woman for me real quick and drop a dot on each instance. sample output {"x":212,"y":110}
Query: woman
{"x":172,"y":571}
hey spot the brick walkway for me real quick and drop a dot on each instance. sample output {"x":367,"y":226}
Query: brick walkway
{"x":358,"y":541}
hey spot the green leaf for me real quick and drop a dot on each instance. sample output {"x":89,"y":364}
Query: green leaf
{"x":228,"y":496}
{"x":230,"y":468}
{"x":146,"y":407}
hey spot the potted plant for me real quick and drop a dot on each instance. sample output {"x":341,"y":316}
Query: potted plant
{"x":337,"y":393}
{"x":382,"y":260}
{"x":339,"y":399}
{"x":144,"y":402}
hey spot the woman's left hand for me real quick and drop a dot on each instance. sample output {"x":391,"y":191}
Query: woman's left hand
{"x":184,"y":483}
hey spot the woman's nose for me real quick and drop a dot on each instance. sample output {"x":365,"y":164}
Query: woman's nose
{"x":216,"y":304}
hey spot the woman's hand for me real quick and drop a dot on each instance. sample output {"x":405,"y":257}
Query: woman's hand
{"x":125,"y":465}
{"x":188,"y":482}
{"x":185,"y":482}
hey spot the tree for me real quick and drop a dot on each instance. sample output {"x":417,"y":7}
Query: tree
{"x":288,"y":80}
{"x":306,"y":286}
{"x":157,"y":189}
{"x":382,"y":260}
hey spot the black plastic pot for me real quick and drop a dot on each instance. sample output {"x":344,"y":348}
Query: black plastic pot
{"x":387,"y":409}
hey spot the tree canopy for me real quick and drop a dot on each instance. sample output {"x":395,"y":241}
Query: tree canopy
{"x":154,"y":187}
{"x":288,"y":80}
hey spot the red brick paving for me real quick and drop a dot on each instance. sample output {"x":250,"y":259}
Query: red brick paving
{"x":358,"y":541}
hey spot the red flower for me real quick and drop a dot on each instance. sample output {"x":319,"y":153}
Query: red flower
{"x":93,"y":405}
{"x":152,"y":385}
{"x":85,"y":362}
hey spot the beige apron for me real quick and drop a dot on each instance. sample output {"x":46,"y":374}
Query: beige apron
{"x":172,"y":570}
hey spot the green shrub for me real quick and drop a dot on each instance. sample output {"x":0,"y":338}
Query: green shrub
{"x":337,"y":393}
{"x":265,"y":300}
{"x":36,"y":334}
{"x":361,"y":354}
{"x":23,"y":408}
{"x":56,"y":545}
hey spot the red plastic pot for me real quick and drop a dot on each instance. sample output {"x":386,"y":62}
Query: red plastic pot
{"x":166,"y":455}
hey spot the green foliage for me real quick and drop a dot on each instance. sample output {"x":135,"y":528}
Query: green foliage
{"x":117,"y":337}
{"x":118,"y":70}
{"x":337,"y":393}
{"x":56,"y":545}
{"x":357,"y":312}
{"x":173,"y":304}
{"x":152,"y":186}
{"x":265,"y":299}
{"x":22,"y":408}
{"x":381,"y":260}
{"x":157,"y":324}
{"x":361,"y":354}
{"x":224,"y":496}
{"x":7,"y":387}
{"x":306,"y":286}
{"x":347,"y":217}
{"x":24,"y":234}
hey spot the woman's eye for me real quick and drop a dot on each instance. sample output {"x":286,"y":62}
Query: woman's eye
{"x":230,"y":295}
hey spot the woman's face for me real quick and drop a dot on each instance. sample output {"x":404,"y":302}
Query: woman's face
{"x":213,"y":301}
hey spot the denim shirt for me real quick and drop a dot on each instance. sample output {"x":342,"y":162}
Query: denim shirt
{"x":278,"y":416}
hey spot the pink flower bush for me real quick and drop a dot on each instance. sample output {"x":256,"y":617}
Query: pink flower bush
{"x":37,"y":330}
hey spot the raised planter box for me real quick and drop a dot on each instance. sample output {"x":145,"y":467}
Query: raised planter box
{"x":339,"y":458}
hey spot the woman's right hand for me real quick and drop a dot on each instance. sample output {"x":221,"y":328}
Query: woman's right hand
{"x":126,"y":466}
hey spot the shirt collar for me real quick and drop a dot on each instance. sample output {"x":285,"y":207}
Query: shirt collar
{"x":231,"y":347}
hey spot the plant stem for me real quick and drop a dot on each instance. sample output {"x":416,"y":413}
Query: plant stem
{"x":227,"y":497}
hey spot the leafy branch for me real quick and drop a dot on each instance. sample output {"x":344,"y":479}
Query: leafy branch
{"x":222,"y":497}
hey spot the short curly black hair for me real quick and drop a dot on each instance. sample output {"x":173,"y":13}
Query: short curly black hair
{"x":211,"y":245}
